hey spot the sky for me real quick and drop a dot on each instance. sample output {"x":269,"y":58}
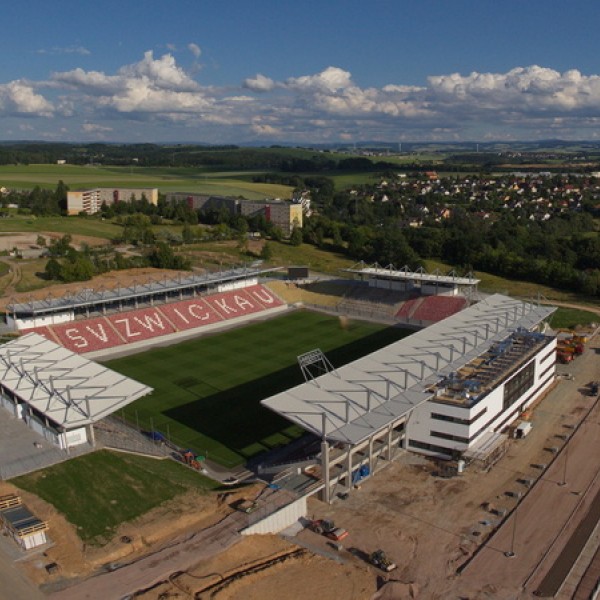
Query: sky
{"x":299,"y":71}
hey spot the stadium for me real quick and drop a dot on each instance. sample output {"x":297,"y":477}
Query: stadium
{"x":447,"y":390}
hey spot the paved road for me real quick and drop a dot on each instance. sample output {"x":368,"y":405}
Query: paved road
{"x":11,"y":579}
{"x":544,"y":520}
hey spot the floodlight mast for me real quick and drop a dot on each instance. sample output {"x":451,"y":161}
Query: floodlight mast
{"x":314,"y":363}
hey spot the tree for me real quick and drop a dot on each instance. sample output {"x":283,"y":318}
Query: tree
{"x":296,"y":236}
{"x":52,"y":270}
{"x":266,"y":252}
{"x":60,"y":196}
{"x":187,"y":234}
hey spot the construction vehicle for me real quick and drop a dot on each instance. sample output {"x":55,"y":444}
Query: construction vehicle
{"x":328,"y":529}
{"x":188,"y":458}
{"x":380,"y":560}
{"x":564,"y":357}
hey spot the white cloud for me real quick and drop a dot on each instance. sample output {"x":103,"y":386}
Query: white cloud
{"x":523,"y":89}
{"x":95,"y":128}
{"x":524,"y":101}
{"x":329,"y":80}
{"x":18,"y":97}
{"x":260,"y":83}
{"x":195,"y":50}
{"x":81,"y":50}
{"x":162,"y":73}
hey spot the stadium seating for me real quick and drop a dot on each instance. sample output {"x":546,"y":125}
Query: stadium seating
{"x":236,"y":303}
{"x":264,"y":296}
{"x":88,"y":335}
{"x":189,"y":314}
{"x":118,"y":329}
{"x":141,"y":324}
{"x":45,"y":331}
{"x":408,"y":307}
{"x":436,"y":308}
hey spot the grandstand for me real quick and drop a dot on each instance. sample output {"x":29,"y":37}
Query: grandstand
{"x":442,"y":391}
{"x":89,"y":302}
{"x":132,"y":328}
{"x":59,"y":395}
{"x":430,"y":309}
{"x":406,"y":280}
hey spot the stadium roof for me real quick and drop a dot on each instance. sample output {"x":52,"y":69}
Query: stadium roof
{"x":405,"y":274}
{"x":353,"y":402}
{"x":90,"y":297}
{"x":70,"y":390}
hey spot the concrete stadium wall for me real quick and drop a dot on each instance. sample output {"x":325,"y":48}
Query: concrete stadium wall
{"x":280,"y":519}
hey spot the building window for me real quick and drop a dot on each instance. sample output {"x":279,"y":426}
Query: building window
{"x":447,"y":436}
{"x":457,"y":420}
{"x":430,"y":447}
{"x":514,"y":388}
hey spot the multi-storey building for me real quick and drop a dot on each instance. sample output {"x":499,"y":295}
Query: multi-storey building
{"x":90,"y":201}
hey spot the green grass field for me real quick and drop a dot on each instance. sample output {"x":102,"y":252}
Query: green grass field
{"x":567,"y":318}
{"x":207,"y":391}
{"x":99,"y":491}
{"x":164,"y":178}
{"x":72,"y":225}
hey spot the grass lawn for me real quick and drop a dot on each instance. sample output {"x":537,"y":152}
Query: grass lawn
{"x":30,"y":275}
{"x":567,"y":318}
{"x":71,"y":225}
{"x":207,"y":391}
{"x":319,"y":260}
{"x":164,"y":178}
{"x":99,"y":491}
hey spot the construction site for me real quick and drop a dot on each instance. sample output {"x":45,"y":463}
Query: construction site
{"x":453,"y":463}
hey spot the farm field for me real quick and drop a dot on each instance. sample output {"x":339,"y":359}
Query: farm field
{"x":166,"y":179}
{"x":207,"y":391}
{"x":71,"y":225}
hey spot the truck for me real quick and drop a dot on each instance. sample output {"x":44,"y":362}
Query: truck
{"x":380,"y":560}
{"x":327,"y":528}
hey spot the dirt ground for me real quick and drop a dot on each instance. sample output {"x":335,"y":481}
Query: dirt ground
{"x":429,"y":526}
{"x":189,"y":512}
{"x":26,"y":241}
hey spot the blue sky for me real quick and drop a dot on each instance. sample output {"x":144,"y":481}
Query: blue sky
{"x":299,"y":71}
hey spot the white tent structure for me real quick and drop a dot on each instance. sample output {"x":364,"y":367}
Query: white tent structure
{"x":58,"y":393}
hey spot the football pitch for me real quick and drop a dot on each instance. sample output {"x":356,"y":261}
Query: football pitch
{"x":207,"y":391}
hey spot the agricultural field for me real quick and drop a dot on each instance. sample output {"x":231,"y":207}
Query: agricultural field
{"x":99,"y":491}
{"x":207,"y":391}
{"x":234,"y":183}
{"x":72,"y":225}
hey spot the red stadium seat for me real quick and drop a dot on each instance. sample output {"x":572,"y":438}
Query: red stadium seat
{"x":436,"y":308}
{"x":407,"y":308}
{"x":99,"y":333}
{"x":141,"y":324}
{"x":234,"y":304}
{"x":88,"y":335}
{"x":189,"y":314}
